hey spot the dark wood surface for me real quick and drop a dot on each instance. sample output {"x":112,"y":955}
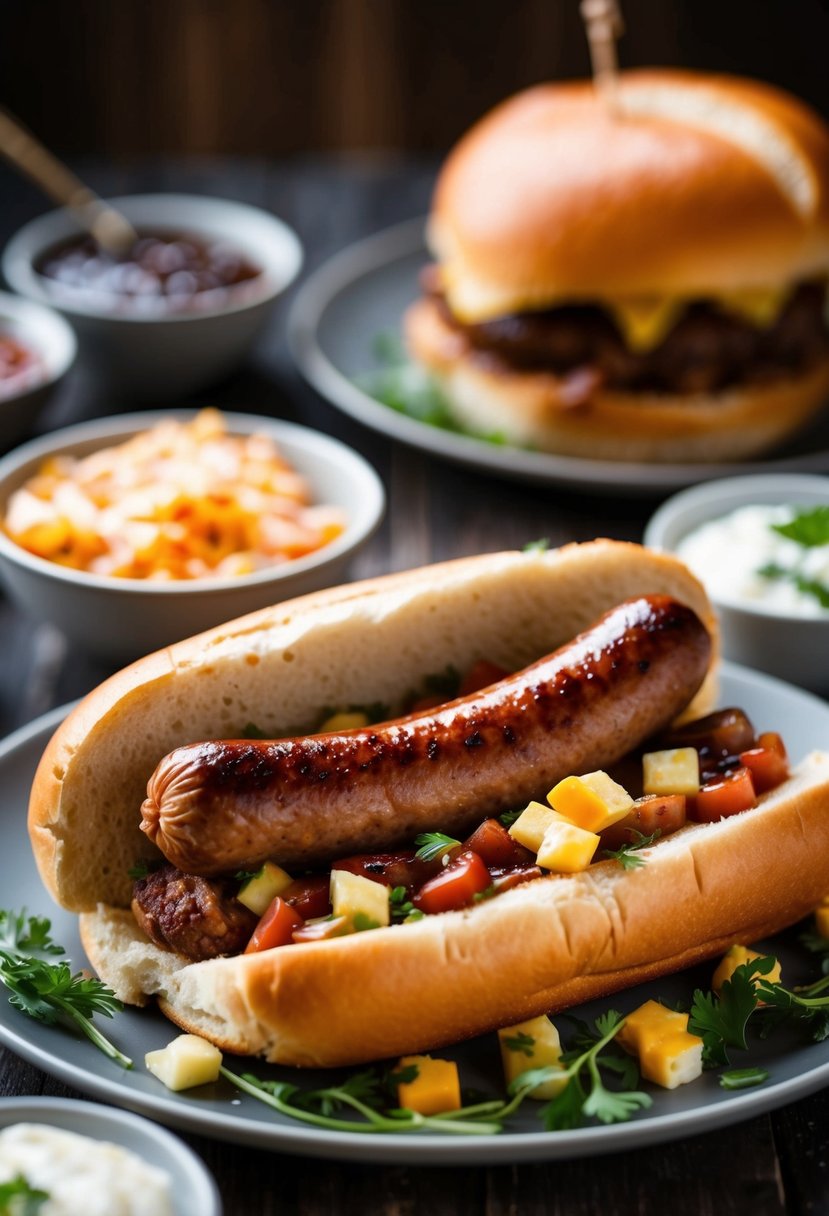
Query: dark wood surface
{"x":772,"y":1165}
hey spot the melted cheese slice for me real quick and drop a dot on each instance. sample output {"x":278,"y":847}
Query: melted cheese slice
{"x":645,"y":323}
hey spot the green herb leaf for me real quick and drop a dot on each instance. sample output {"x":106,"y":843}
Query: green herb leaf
{"x":809,"y":527}
{"x":433,"y":844}
{"x":626,"y":855}
{"x":721,"y":1021}
{"x":246,"y":876}
{"x":508,"y":818}
{"x":537,"y":546}
{"x":18,"y":1198}
{"x":252,"y":731}
{"x":743,"y":1078}
{"x":50,"y":992}
{"x":809,"y":586}
{"x":521,"y":1042}
{"x":362,"y":922}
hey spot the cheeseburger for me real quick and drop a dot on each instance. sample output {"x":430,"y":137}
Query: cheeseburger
{"x":645,"y":280}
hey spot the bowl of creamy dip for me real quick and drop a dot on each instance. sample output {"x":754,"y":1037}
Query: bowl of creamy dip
{"x":760,"y":544}
{"x":72,"y":1158}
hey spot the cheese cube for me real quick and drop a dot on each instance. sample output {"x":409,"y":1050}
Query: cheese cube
{"x":531,"y":824}
{"x":668,"y":1055}
{"x":822,"y":919}
{"x":185,"y":1062}
{"x":733,"y":958}
{"x":532,"y":1044}
{"x":363,"y":902}
{"x":593,"y":802}
{"x":671,"y":772}
{"x":258,"y":891}
{"x":435,"y":1089}
{"x":566,"y":848}
{"x":344,"y":721}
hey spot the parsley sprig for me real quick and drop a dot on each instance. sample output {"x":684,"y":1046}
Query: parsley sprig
{"x":627,"y":854}
{"x":808,"y":528}
{"x":50,"y":992}
{"x":431,"y":845}
{"x":19,"y":1198}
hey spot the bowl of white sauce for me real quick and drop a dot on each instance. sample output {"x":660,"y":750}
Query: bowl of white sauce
{"x":72,"y":1158}
{"x":760,"y":544}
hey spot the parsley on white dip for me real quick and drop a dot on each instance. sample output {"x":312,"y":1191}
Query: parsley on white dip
{"x":82,"y":1177}
{"x":772,"y":557}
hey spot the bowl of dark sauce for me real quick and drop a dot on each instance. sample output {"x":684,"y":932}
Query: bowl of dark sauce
{"x":175,"y":311}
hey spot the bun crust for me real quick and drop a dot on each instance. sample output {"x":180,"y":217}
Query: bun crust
{"x":535,"y":949}
{"x":696,"y":184}
{"x":527,"y":408}
{"x":278,"y":668}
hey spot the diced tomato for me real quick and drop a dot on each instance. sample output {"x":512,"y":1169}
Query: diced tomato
{"x":727,"y":796}
{"x":663,"y":813}
{"x":401,"y":869}
{"x":323,"y":930}
{"x":309,"y":896}
{"x":481,"y":675}
{"x":275,"y":928}
{"x":456,"y":886}
{"x":767,"y":763}
{"x":497,"y":849}
{"x":513,"y":878}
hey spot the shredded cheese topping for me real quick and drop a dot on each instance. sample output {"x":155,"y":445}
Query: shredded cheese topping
{"x":178,"y":501}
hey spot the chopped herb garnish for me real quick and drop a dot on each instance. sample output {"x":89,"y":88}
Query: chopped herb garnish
{"x":508,"y":818}
{"x":537,"y":546}
{"x":520,"y":1042}
{"x":246,"y":876}
{"x":402,"y":908}
{"x":743,"y":1078}
{"x":433,"y":844}
{"x":362,"y":922}
{"x":627,"y":854}
{"x":809,"y":586}
{"x":808,"y":528}
{"x":721,"y":1021}
{"x":50,"y":992}
{"x":18,"y":1198}
{"x":252,"y":731}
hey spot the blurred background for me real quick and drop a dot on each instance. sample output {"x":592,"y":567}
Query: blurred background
{"x":131,"y":78}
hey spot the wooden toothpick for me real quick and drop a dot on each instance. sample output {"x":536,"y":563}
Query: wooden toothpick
{"x":603,"y":19}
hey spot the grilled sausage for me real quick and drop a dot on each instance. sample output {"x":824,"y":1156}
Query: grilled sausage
{"x":217,"y":806}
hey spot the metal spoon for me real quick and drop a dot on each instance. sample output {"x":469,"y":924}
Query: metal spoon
{"x":112,"y":230}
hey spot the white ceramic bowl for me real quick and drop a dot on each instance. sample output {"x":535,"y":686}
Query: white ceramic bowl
{"x":795,"y":648}
{"x":53,"y":341}
{"x":193,"y":1189}
{"x":153,"y":357}
{"x":119,"y":618}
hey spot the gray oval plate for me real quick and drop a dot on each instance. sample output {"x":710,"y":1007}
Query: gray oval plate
{"x":193,"y":1190}
{"x":364,"y":291}
{"x":219,"y":1111}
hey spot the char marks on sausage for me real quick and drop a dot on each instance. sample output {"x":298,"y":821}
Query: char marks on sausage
{"x":217,"y":806}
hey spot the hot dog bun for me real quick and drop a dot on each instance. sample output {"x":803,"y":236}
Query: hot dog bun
{"x":535,"y":949}
{"x":552,"y":943}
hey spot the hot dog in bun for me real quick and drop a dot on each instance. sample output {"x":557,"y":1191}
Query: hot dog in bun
{"x":645,"y":281}
{"x":604,"y":644}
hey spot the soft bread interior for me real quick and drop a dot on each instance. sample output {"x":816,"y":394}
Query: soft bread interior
{"x":282,"y":668}
{"x":550,"y":944}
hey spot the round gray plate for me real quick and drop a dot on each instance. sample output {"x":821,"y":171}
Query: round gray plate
{"x":193,"y":1189}
{"x":217,"y":1110}
{"x":364,"y":291}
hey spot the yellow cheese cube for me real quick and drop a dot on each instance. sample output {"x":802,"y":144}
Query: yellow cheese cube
{"x":435,"y":1089}
{"x":566,"y":848}
{"x":668,"y":1055}
{"x":363,"y":902}
{"x":258,"y":891}
{"x":185,"y":1062}
{"x":733,"y":958}
{"x":531,"y":825}
{"x":593,"y":801}
{"x":671,"y":772}
{"x":345,"y":721}
{"x":822,"y":920}
{"x":532,"y":1044}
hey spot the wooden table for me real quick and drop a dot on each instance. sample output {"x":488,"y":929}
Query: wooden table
{"x":775,"y":1164}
